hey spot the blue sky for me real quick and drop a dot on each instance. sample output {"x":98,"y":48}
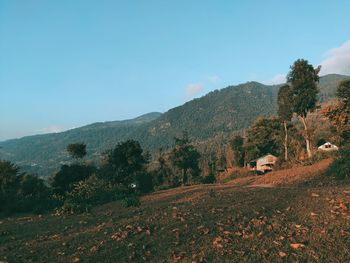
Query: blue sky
{"x":65,"y":64}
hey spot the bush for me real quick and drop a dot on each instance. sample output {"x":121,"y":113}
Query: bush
{"x":33,"y":195}
{"x":70,"y":174}
{"x":22,"y":193}
{"x":340,"y":168}
{"x":210,"y":179}
{"x":318,"y":156}
{"x":144,"y":182}
{"x":87,"y":194}
{"x":175,"y":182}
{"x":131,"y":201}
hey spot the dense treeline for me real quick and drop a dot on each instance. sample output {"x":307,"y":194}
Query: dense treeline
{"x":124,"y":174}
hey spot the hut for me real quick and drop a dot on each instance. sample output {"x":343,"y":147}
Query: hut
{"x":328,"y":147}
{"x":263,"y":164}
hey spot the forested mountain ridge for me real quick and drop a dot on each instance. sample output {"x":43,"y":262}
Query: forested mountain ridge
{"x":219,"y":112}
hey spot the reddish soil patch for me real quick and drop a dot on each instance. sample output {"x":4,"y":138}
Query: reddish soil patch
{"x":292,"y":175}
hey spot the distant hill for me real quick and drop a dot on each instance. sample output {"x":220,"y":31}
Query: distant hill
{"x":219,"y":112}
{"x":45,"y":153}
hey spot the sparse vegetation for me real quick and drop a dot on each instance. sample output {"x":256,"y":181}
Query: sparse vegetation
{"x":340,"y":168}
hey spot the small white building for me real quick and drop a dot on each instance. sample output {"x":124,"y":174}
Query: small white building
{"x":328,"y":147}
{"x":263,"y":164}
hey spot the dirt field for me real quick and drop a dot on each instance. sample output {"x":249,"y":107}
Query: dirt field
{"x":285,"y":216}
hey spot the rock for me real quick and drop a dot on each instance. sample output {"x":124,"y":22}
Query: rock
{"x":315,"y":195}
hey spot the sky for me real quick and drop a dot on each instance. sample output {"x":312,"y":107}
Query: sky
{"x":65,"y":64}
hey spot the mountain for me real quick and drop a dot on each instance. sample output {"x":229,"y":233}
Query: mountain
{"x":45,"y":153}
{"x":218,"y":113}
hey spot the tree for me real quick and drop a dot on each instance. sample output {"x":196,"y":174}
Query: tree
{"x":163,"y":171}
{"x":339,"y":114}
{"x":238,"y":150}
{"x":64,"y":179}
{"x":9,"y":182}
{"x":303,"y":79}
{"x":285,"y":112}
{"x":77,"y":150}
{"x":185,"y":157}
{"x":263,"y":137}
{"x":125,"y":162}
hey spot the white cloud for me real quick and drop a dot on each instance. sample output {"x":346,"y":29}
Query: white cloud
{"x":337,"y":60}
{"x":277,"y":79}
{"x":193,"y":90}
{"x":214,"y":79}
{"x":51,"y":129}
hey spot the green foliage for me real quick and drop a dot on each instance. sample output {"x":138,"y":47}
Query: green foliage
{"x":185,"y":157}
{"x":9,"y":180}
{"x":210,"y":179}
{"x":212,"y":193}
{"x":343,"y":92}
{"x":340,"y":168}
{"x":77,"y":150}
{"x":124,"y":163}
{"x":20,"y":192}
{"x":131,"y":201}
{"x":68,"y":175}
{"x":263,"y":137}
{"x":144,"y":182}
{"x":237,"y":146}
{"x":285,"y":103}
{"x":303,"y":78}
{"x":339,"y":113}
{"x":162,"y":173}
{"x":215,"y":115}
{"x":87,"y":194}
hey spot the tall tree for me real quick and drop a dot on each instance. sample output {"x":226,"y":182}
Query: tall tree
{"x":185,"y":157}
{"x":163,"y":171}
{"x":125,"y":163}
{"x":238,"y":150}
{"x":303,"y":79}
{"x":77,"y":150}
{"x":339,"y":114}
{"x":9,"y":180}
{"x":285,"y":112}
{"x":263,"y":137}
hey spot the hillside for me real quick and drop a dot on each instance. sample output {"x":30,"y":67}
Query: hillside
{"x":219,"y":112}
{"x":45,"y":153}
{"x":297,"y":222}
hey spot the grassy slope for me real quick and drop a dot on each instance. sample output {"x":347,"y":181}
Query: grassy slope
{"x":202,"y":223}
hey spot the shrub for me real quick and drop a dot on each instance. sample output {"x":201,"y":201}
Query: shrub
{"x":131,"y":201}
{"x":210,"y":179}
{"x":87,"y":194}
{"x":318,"y":156}
{"x":212,"y":193}
{"x":340,"y":168}
{"x":33,"y":195}
{"x":68,"y":175}
{"x":144,"y":182}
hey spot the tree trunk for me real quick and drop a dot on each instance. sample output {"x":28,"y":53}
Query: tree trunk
{"x":184,"y":177}
{"x":307,"y":138}
{"x":285,"y":141}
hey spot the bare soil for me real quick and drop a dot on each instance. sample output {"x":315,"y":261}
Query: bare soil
{"x":280,"y":217}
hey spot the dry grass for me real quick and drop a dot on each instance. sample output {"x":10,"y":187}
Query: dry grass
{"x":203,"y":223}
